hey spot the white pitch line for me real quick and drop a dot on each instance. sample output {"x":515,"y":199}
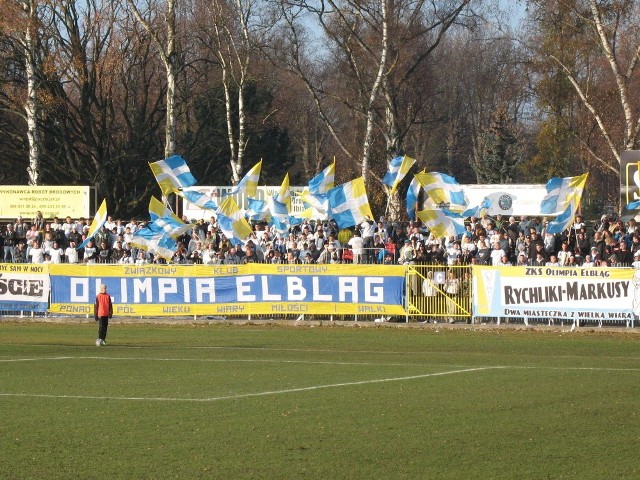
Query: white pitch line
{"x":248,"y":395}
{"x":307,"y":362}
{"x":307,"y":350}
{"x":221,"y":360}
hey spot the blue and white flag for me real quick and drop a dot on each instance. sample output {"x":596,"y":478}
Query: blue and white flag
{"x":249,"y":183}
{"x":324,"y":181}
{"x":257,"y":210}
{"x":284,"y":194}
{"x":199,"y":199}
{"x":154,"y":241}
{"x":169,"y":226}
{"x":232,"y":222}
{"x":443,"y":223}
{"x":172,"y":174}
{"x":278,"y":209}
{"x":348,"y":203}
{"x":412,"y":198}
{"x":561,"y":192}
{"x":157,"y":210}
{"x":633,"y":205}
{"x":571,"y":194}
{"x":444,"y":190}
{"x":279,"y":226}
{"x":318,"y":201}
{"x":398,"y":168}
{"x":480,"y":210}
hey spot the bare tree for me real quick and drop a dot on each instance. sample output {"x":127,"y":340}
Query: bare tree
{"x":167,"y":49}
{"x":602,"y":66}
{"x":231,"y":32}
{"x":23,"y":20}
{"x":378,"y":51}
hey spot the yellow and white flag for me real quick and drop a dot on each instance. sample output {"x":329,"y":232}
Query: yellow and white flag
{"x":232,"y":222}
{"x":97,"y":223}
{"x":249,"y":183}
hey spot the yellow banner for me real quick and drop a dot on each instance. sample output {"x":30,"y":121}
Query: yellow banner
{"x":26,"y":201}
{"x":253,"y":289}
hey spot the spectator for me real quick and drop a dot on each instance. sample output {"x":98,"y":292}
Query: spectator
{"x":624,"y":255}
{"x":430,"y":291}
{"x":141,"y":258}
{"x":218,"y":259}
{"x":90,"y":255}
{"x":357,"y":246}
{"x":539,"y":260}
{"x":38,"y":221}
{"x":451,"y":288}
{"x":232,"y":257}
{"x":539,"y":249}
{"x":367,"y":229}
{"x":117,"y":253}
{"x":483,"y":257}
{"x":70,"y":253}
{"x":553,"y":261}
{"x":564,"y":254}
{"x":56,"y":253}
{"x":496,"y":254}
{"x":67,"y":226}
{"x":20,"y":253}
{"x":291,"y":258}
{"x":36,"y":253}
{"x":195,"y":258}
{"x":31,"y":237}
{"x":454,"y":254}
{"x":126,"y":258}
{"x":504,"y":261}
{"x":21,"y":228}
{"x":522,"y":260}
{"x":407,"y":253}
{"x":9,"y":243}
{"x":104,"y":252}
{"x":209,"y":255}
{"x":421,"y":254}
{"x":534,"y":241}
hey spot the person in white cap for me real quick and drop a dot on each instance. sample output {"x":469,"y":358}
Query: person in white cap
{"x":636,"y":260}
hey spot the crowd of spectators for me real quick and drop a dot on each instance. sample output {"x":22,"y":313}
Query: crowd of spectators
{"x":486,"y":241}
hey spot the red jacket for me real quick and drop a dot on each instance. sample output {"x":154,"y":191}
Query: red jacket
{"x":103,"y":306}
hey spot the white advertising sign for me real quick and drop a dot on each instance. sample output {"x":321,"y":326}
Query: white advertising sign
{"x":556,"y":292}
{"x":508,"y":199}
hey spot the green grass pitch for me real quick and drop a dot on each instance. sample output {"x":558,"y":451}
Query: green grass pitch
{"x":273,"y":402}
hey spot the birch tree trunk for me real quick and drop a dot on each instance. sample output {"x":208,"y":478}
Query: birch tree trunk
{"x":612,"y":26}
{"x":167,"y":53}
{"x":631,"y":126}
{"x":375,"y":88}
{"x":32,"y":105}
{"x":233,"y":52}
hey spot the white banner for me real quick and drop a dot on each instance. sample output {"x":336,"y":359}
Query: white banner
{"x":556,"y":292}
{"x":218,"y":194}
{"x":24,"y":287}
{"x":508,"y":199}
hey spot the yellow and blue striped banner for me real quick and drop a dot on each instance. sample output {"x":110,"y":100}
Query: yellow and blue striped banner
{"x":170,"y":290}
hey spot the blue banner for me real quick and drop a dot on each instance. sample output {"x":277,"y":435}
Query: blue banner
{"x":246,"y":289}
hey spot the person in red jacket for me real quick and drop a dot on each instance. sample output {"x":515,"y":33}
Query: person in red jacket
{"x":102,"y":311}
